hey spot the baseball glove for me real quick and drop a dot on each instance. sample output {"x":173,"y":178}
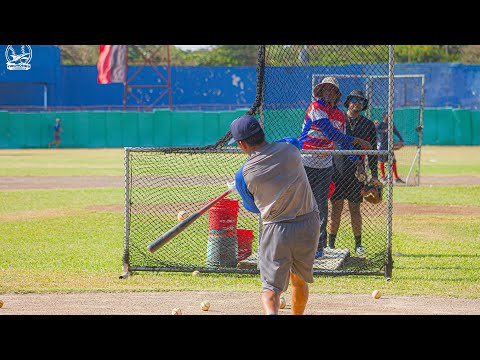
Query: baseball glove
{"x":372,"y":192}
{"x":360,"y":173}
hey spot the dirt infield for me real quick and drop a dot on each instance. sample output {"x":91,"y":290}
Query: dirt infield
{"x":162,"y":303}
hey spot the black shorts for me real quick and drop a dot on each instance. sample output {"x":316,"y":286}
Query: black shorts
{"x":347,"y":187}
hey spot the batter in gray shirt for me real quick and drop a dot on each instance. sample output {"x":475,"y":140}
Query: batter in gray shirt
{"x":272,"y":182}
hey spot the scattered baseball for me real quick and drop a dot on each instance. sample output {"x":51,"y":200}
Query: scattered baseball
{"x":283,"y":303}
{"x":376,"y":294}
{"x":176,"y":311}
{"x":205,"y":305}
{"x":1,"y":303}
{"x":196,"y":273}
{"x":182,"y":215}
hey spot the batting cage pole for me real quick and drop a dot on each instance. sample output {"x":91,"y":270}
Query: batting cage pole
{"x":419,"y":130}
{"x":126,"y":214}
{"x":258,"y":108}
{"x":391,"y":92}
{"x":420,"y":126}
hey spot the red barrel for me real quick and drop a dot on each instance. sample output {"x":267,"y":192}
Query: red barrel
{"x":222,"y":247}
{"x":222,"y":218}
{"x":245,"y":239}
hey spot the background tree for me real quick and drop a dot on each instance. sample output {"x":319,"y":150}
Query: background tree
{"x":246,"y":55}
{"x":427,"y":53}
{"x":470,"y":54}
{"x":229,"y":55}
{"x":78,"y":54}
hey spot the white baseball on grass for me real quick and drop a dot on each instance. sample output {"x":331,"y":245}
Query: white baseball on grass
{"x":205,"y":305}
{"x":182,"y":215}
{"x":176,"y":311}
{"x":196,"y":273}
{"x":283,"y":303}
{"x":376,"y":294}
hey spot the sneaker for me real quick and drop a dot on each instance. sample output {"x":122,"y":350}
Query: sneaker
{"x":399,"y":181}
{"x":318,"y":254}
{"x":360,"y":250}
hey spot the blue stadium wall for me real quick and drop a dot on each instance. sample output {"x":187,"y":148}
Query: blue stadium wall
{"x":451,"y":103}
{"x":29,"y":87}
{"x":218,"y":87}
{"x":74,"y":86}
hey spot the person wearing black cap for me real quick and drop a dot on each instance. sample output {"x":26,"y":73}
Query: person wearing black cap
{"x":272,"y":182}
{"x":323,"y":128}
{"x":347,"y":186}
{"x":382,"y":144}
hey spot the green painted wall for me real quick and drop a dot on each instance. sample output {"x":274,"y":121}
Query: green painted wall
{"x":98,"y":129}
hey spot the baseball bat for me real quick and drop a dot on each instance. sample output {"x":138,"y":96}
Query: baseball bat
{"x":177,"y":229}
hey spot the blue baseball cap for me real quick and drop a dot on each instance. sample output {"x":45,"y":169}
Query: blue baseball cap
{"x":243,"y":127}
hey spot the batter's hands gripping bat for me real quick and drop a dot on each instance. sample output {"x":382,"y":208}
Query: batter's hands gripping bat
{"x":177,"y":229}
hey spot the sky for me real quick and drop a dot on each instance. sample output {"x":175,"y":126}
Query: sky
{"x":192,"y":47}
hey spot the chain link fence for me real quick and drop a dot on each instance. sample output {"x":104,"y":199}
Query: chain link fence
{"x":162,"y":184}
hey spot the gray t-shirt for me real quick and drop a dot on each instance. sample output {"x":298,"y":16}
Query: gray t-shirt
{"x":276,"y":177}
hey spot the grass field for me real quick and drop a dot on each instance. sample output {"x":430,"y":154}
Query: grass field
{"x":56,"y":240}
{"x":436,"y":160}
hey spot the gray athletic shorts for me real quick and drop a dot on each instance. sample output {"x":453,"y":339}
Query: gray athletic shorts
{"x":288,"y":246}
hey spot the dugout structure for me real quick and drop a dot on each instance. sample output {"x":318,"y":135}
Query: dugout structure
{"x":162,"y":181}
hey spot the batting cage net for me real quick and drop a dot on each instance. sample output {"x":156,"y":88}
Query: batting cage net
{"x":167,"y":188}
{"x":408,"y":119}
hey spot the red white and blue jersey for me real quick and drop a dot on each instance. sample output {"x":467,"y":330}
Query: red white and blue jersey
{"x":323,"y":126}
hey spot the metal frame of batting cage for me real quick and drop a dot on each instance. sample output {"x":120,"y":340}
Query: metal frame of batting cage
{"x":257,"y":108}
{"x":388,"y":265}
{"x":127,"y":268}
